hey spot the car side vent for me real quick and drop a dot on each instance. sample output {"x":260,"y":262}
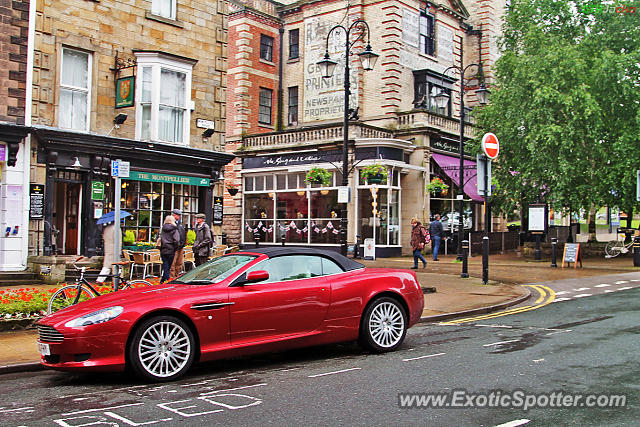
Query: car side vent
{"x":49,"y":334}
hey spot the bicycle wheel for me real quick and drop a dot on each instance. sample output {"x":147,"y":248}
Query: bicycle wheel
{"x":135,"y":284}
{"x":67,"y":296}
{"x":613,"y":249}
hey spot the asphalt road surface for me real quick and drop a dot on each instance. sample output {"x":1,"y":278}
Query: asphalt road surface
{"x":573,"y":357}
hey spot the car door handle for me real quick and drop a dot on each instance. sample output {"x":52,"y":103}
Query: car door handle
{"x":215,"y":305}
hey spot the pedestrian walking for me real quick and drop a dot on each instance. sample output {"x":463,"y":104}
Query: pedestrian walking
{"x":436,"y":232}
{"x":178,"y":261}
{"x":202,"y":244}
{"x":419,"y":238}
{"x":169,"y":244}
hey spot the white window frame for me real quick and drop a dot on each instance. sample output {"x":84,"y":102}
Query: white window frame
{"x":172,"y":13}
{"x":75,"y":88}
{"x":157,"y":62}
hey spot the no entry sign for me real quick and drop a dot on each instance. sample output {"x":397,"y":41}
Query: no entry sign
{"x":490,"y":145}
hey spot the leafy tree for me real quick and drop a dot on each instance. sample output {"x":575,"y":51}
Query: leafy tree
{"x":566,"y":107}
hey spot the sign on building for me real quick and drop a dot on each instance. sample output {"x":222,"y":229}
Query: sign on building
{"x":36,"y":198}
{"x":217,"y":210}
{"x":410,"y":27}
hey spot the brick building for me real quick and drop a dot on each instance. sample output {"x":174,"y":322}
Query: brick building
{"x":284,"y":118}
{"x":144,"y":82}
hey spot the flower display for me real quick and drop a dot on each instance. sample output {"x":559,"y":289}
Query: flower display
{"x":318,"y":176}
{"x":436,"y":185}
{"x":374,"y":174}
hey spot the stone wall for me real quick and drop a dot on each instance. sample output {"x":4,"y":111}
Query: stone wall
{"x":14,"y":27}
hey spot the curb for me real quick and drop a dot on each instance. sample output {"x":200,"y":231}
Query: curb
{"x":21,"y":367}
{"x":480,"y":310}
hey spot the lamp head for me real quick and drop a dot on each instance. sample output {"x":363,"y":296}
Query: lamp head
{"x":327,"y":66}
{"x":442,"y":98}
{"x":368,"y":58}
{"x":120,"y":119}
{"x":76,"y":164}
{"x":207,"y":133}
{"x":483,"y":94}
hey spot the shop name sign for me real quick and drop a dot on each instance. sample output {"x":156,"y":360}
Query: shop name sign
{"x":170,"y":179}
{"x":291,"y":159}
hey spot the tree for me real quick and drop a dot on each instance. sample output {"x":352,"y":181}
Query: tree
{"x":566,"y":107}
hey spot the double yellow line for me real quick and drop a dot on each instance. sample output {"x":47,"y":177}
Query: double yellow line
{"x":545,"y":297}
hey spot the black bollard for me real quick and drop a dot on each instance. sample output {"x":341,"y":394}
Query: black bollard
{"x":224,"y":238}
{"x":282,"y":239}
{"x":256,"y":238}
{"x":636,"y":251}
{"x":356,"y":248}
{"x":537,"y":256}
{"x":485,"y":260}
{"x":465,"y":255}
{"x":554,"y":248}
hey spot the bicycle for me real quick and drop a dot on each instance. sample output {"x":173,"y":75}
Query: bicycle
{"x":617,"y":247}
{"x":83,"y":290}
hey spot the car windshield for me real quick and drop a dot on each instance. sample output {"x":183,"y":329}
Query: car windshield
{"x":216,"y":270}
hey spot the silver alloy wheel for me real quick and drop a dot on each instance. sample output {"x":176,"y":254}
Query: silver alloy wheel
{"x":164,"y":349}
{"x":386,"y":324}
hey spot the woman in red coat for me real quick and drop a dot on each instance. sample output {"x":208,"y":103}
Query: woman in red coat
{"x":419,"y":237}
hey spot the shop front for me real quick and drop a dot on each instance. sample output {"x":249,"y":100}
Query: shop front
{"x":79,"y":189}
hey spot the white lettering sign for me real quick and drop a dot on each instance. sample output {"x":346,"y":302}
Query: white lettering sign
{"x":445,"y":43}
{"x":410,"y":27}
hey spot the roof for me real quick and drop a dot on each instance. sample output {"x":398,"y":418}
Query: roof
{"x":273,"y":251}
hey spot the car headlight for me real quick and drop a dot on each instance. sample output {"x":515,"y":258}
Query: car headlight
{"x":96,"y":317}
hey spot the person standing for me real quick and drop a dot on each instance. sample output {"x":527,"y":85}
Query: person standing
{"x":202,"y":244}
{"x":169,"y":243}
{"x":178,"y":261}
{"x":436,"y":231}
{"x":109,"y":251}
{"x":419,"y":237}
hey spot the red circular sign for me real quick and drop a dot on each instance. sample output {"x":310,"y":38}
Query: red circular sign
{"x":490,"y":145}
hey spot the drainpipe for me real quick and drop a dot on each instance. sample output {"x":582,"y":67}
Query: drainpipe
{"x":279,"y":123}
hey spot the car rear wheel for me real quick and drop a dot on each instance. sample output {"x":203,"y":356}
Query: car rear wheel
{"x":162,"y":349}
{"x":384,"y":325}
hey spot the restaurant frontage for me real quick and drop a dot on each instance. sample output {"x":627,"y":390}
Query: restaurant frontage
{"x":78,"y":188}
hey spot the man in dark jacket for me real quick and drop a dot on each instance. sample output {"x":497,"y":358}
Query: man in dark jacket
{"x":169,"y":242}
{"x":178,"y":261}
{"x":436,"y":231}
{"x":202,"y":244}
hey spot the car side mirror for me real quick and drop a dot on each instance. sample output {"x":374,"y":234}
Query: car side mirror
{"x":257,"y":276}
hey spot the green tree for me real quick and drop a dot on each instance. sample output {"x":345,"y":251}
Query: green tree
{"x":565,"y":107}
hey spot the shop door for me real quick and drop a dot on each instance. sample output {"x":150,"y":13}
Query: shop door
{"x":66,"y":231}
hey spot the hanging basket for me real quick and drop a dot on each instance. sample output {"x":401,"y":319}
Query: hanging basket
{"x":437,"y":192}
{"x":375,"y":179}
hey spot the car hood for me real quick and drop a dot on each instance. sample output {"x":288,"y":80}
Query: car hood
{"x":128,"y":299}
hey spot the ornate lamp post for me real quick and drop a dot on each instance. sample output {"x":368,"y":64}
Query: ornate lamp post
{"x":327,"y":66}
{"x":441,"y":101}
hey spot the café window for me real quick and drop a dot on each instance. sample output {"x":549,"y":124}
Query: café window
{"x":427,"y":85}
{"x":266,"y":48}
{"x":385,"y":224}
{"x":294,"y":47}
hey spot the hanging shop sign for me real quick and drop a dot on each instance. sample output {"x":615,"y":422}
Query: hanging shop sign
{"x":170,"y":179}
{"x":333,"y":156}
{"x":124,"y":91}
{"x":97,"y":190}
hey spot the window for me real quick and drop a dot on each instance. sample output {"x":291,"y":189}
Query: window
{"x":294,"y":47}
{"x":75,"y":90}
{"x":163,"y":108}
{"x":264,"y":112}
{"x":266,"y":48}
{"x":427,"y":85}
{"x":293,"y":105}
{"x":164,"y":8}
{"x":427,"y":33}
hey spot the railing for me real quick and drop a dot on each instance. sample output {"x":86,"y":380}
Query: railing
{"x":427,"y":119}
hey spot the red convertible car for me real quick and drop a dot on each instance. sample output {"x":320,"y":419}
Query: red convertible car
{"x":253,"y":301}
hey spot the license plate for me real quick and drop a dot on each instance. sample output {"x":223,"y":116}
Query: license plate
{"x":44,"y":349}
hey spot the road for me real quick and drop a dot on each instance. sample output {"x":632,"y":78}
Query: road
{"x":582,"y":345}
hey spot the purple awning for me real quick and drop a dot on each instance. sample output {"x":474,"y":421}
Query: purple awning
{"x":451,"y":166}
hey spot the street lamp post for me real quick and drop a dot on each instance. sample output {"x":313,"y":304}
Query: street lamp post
{"x":327,"y":66}
{"x":441,"y":100}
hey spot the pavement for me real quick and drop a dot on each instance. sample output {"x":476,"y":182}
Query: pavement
{"x":453,"y":296}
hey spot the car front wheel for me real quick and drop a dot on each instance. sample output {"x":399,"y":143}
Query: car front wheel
{"x":383,"y":326}
{"x":162,"y":349}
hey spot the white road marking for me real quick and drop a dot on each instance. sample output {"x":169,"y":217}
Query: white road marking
{"x":496,"y":326}
{"x":634,"y":280}
{"x":423,"y":357}
{"x":625,"y":288}
{"x":209,"y":393}
{"x":538,"y":360}
{"x":102,"y":409}
{"x":561,"y":299}
{"x":602,"y":285}
{"x":559,"y":332}
{"x":580,"y":289}
{"x":562,"y":293}
{"x":514,"y":423}
{"x":609,"y":290}
{"x":26,"y":408}
{"x":500,"y":342}
{"x":335,"y":372}
{"x":582,"y":295}
{"x":620,"y":282}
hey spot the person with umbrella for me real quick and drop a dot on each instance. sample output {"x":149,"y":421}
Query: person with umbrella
{"x":108,"y":236}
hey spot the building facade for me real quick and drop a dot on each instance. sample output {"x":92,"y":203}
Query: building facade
{"x":284,"y":117}
{"x":141,"y":82}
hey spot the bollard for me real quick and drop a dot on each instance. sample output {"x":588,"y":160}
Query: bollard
{"x":356,"y":248}
{"x":485,"y":260}
{"x":256,"y":238}
{"x":282,"y":239}
{"x":224,"y":238}
{"x":554,"y":248}
{"x":465,"y":255}
{"x":636,"y":251}
{"x":537,"y":256}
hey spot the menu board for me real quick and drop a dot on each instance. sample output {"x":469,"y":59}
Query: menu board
{"x":36,"y":205}
{"x":571,"y":254}
{"x":217,"y":210}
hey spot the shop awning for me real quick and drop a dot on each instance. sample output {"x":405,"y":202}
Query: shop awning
{"x":451,"y":166}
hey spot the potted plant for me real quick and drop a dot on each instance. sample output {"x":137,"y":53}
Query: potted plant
{"x":437,"y":187}
{"x":374,"y":174}
{"x":232,"y":188}
{"x":318,"y":176}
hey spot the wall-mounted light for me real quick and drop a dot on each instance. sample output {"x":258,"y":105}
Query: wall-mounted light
{"x":76,"y":164}
{"x":117,"y":121}
{"x":207,"y":133}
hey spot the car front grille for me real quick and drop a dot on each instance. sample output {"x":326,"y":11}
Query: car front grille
{"x":49,"y":334}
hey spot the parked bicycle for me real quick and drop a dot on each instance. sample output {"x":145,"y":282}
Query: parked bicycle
{"x":83,"y":289}
{"x":617,"y":247}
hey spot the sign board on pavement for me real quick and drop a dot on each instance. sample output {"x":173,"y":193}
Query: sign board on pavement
{"x":369,"y":249}
{"x":571,"y":254}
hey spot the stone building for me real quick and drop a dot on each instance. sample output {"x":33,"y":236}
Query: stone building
{"x":285,"y":118}
{"x":143,"y":82}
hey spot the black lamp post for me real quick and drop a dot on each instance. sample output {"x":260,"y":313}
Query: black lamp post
{"x":327,"y":66}
{"x":441,"y":101}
